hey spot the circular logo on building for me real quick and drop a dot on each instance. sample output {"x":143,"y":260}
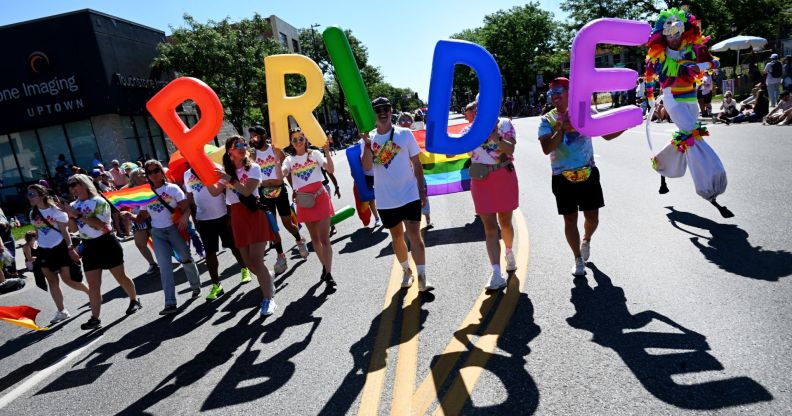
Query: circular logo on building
{"x":39,"y":62}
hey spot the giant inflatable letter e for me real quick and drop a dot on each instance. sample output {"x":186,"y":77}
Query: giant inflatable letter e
{"x":190,"y":141}
{"x":447,"y":54}
{"x":300,"y":107}
{"x":585,"y":79}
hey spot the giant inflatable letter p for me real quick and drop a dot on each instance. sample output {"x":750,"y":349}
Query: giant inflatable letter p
{"x":190,"y":141}
{"x":447,"y":54}
{"x":585,"y":79}
{"x":300,"y":107}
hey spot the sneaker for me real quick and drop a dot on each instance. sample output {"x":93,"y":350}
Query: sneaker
{"x":134,"y":306}
{"x":407,"y":279}
{"x":377,"y":222}
{"x":328,"y":277}
{"x":169,"y":310}
{"x":268,"y":307}
{"x":585,"y":249}
{"x":580,"y":267}
{"x":93,"y":323}
{"x":60,"y":316}
{"x":153,"y":268}
{"x":511,"y":263}
{"x":280,"y":264}
{"x":423,"y":285}
{"x":496,"y":281}
{"x":302,"y":248}
{"x":195,"y":293}
{"x":245,"y":275}
{"x":215,"y":291}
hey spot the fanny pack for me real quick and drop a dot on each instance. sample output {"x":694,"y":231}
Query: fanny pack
{"x":307,"y":199}
{"x":270,"y":192}
{"x":480,"y":170}
{"x":578,"y":175}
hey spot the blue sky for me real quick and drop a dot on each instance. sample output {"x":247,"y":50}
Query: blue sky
{"x":400,"y":36}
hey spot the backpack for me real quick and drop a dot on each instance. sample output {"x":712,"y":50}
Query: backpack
{"x":776,"y":70}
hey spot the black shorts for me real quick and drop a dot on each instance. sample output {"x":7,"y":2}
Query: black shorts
{"x":369,"y":181}
{"x":704,"y":98}
{"x":409,"y":212}
{"x":102,"y":253}
{"x":211,"y":230}
{"x":280,"y":204}
{"x":581,"y":196}
{"x":54,"y":258}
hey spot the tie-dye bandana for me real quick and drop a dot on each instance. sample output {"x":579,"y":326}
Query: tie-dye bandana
{"x":385,"y":154}
{"x":267,"y":165}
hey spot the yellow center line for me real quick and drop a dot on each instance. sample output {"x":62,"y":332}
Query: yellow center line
{"x":463,"y":385}
{"x":426,"y":393}
{"x":375,"y":376}
{"x":407,"y":361}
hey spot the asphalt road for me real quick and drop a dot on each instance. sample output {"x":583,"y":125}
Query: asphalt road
{"x":681,"y":311}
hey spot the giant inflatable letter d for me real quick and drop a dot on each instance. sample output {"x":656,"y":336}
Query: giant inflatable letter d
{"x":300,"y":107}
{"x":585,"y":79}
{"x":447,"y":54}
{"x":190,"y":141}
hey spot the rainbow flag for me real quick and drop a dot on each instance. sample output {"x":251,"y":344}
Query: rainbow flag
{"x":444,"y":175}
{"x":23,"y":316}
{"x":131,"y":197}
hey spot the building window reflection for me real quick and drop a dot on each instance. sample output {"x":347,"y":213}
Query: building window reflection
{"x":83,"y":142}
{"x":31,"y":161}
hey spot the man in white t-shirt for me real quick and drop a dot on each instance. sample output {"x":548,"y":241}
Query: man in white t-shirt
{"x":773,"y":81}
{"x":392,"y":154}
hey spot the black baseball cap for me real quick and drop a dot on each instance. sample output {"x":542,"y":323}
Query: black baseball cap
{"x":258,"y":130}
{"x":380,"y":102}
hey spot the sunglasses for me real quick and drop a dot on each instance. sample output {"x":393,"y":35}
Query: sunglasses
{"x":153,"y":171}
{"x":298,"y":139}
{"x":382,"y":109}
{"x":556,"y":90}
{"x":240,"y":145}
{"x":405,"y":121}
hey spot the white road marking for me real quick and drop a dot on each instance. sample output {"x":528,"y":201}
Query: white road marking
{"x":38,"y":377}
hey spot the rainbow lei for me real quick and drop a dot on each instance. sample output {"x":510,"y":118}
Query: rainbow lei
{"x":683,"y":140}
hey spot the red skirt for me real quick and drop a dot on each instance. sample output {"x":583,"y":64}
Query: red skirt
{"x":498,"y":192}
{"x":249,"y":227}
{"x":323,"y":208}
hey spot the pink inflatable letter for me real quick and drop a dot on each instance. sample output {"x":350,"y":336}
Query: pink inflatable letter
{"x":585,"y":78}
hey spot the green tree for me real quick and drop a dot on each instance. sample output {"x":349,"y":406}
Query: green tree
{"x":227,"y":56}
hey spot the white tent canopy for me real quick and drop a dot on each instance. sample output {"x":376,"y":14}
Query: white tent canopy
{"x":738,"y":43}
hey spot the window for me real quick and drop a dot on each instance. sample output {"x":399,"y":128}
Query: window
{"x":143,"y":136}
{"x":9,"y":173}
{"x":295,"y":46}
{"x":130,"y":139}
{"x":283,"y":40}
{"x":29,"y":155}
{"x":54,"y":143}
{"x":159,"y":143}
{"x":83,"y":142}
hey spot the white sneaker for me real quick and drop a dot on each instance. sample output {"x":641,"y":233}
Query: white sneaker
{"x":511,"y":263}
{"x":407,"y":279}
{"x":302,"y":249}
{"x":60,"y":316}
{"x":423,"y":285}
{"x":496,"y":281}
{"x":377,"y":222}
{"x":580,"y":267}
{"x":585,"y":249}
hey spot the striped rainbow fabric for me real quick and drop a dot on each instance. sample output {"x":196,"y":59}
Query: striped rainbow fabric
{"x":23,"y":316}
{"x":131,"y":197}
{"x":443,"y":174}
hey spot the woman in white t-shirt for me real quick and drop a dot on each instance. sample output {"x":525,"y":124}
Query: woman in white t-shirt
{"x":304,"y":172}
{"x":90,"y":214}
{"x":140,"y":231}
{"x":728,"y":108}
{"x":56,"y":253}
{"x":169,"y":214}
{"x":249,"y":223}
{"x":495,"y":191}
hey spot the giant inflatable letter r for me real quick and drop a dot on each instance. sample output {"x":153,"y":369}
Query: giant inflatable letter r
{"x":585,"y":79}
{"x":190,"y":141}
{"x":447,"y":54}
{"x":300,"y":107}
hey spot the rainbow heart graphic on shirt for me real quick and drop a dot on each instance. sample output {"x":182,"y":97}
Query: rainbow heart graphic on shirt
{"x":304,"y":171}
{"x":267,"y":165}
{"x":194,"y":183}
{"x":384,"y":155}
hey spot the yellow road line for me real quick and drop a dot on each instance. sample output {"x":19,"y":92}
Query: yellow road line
{"x":407,"y":361}
{"x":375,"y":377}
{"x":463,"y":385}
{"x":426,"y":393}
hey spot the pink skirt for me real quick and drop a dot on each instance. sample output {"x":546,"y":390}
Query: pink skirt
{"x":323,"y":208}
{"x":498,"y":192}
{"x":249,"y":227}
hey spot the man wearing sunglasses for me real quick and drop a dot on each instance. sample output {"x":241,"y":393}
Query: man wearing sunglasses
{"x":392,"y":154}
{"x":576,"y":180}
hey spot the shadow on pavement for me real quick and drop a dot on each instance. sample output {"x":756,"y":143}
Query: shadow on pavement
{"x":362,"y":239}
{"x":468,"y":233}
{"x":602,"y":310}
{"x":729,"y":249}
